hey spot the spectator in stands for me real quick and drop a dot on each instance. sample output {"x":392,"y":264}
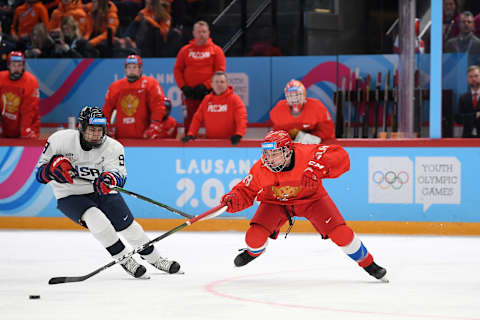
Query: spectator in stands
{"x":26,"y":17}
{"x":43,"y":45}
{"x":7,"y":8}
{"x":466,"y":41}
{"x":71,"y":43}
{"x":451,"y":19}
{"x":128,"y":10}
{"x":138,"y":101}
{"x":152,"y":26}
{"x":7,"y":44}
{"x":50,"y":5}
{"x":222,"y":112}
{"x":307,"y":120}
{"x":102,"y":24}
{"x":19,"y":97}
{"x":195,"y":64}
{"x":71,"y":8}
{"x":469,"y":105}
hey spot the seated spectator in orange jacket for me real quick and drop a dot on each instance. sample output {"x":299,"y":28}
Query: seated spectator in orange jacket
{"x":221,"y":111}
{"x":101,"y":15}
{"x":307,"y":120}
{"x":27,"y":16}
{"x":72,"y":8}
{"x":138,"y":101}
{"x":19,"y":97}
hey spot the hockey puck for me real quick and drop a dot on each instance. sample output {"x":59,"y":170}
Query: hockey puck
{"x":34,"y":296}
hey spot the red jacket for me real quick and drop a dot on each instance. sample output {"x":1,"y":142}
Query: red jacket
{"x":223,"y":116}
{"x":137,"y":104}
{"x":196,"y":64}
{"x":19,"y":105}
{"x":285,"y":187}
{"x":314,"y":119}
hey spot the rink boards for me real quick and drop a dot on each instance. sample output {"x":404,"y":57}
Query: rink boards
{"x":405,"y":186}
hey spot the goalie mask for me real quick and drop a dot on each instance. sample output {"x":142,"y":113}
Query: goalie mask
{"x":295,"y":94}
{"x":92,"y":125}
{"x":277,"y":150}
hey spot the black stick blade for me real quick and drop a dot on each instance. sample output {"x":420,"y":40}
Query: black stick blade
{"x":58,"y":280}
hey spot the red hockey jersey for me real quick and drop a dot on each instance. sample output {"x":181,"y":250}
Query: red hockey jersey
{"x":137,"y":104}
{"x":285,"y":187}
{"x":20,"y":115}
{"x":314,"y":119}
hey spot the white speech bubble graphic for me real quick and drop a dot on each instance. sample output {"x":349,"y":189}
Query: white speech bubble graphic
{"x":437,"y":180}
{"x":390,"y":180}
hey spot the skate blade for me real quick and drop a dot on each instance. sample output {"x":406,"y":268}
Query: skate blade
{"x":384,"y":279}
{"x":144,"y":277}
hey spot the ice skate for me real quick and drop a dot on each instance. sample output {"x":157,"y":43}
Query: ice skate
{"x":376,"y":271}
{"x":168,"y":266}
{"x":243,"y":259}
{"x":134,"y":268}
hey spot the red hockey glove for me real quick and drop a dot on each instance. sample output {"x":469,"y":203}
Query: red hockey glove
{"x":100,"y":184}
{"x":312,"y":175}
{"x":28,"y":133}
{"x":153,"y":131}
{"x":233,"y":202}
{"x":60,"y":169}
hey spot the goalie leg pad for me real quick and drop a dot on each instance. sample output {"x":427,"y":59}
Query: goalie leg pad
{"x":353,"y":247}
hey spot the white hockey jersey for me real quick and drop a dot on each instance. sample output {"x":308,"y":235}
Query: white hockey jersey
{"x":88,"y":164}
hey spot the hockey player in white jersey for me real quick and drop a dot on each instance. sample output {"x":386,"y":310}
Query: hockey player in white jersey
{"x":90,"y":154}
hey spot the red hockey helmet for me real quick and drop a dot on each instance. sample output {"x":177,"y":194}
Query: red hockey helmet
{"x":15,"y":56}
{"x":135,"y":59}
{"x":277,"y":149}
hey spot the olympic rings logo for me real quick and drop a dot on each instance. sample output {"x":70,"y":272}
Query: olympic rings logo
{"x":390,"y":179}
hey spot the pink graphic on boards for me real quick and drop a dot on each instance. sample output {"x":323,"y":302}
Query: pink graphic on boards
{"x":22,"y":172}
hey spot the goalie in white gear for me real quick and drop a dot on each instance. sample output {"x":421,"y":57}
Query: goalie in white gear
{"x":90,"y":154}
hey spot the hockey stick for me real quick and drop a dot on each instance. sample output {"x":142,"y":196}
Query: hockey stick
{"x":216,"y":211}
{"x":139,"y":196}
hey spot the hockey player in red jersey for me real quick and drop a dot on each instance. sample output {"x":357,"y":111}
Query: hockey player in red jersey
{"x":287,"y":181}
{"x":307,"y":120}
{"x":20,"y":114}
{"x":138,"y":101}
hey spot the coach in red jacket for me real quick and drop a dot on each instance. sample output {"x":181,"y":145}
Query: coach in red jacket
{"x":222,"y":112}
{"x":195,"y":64}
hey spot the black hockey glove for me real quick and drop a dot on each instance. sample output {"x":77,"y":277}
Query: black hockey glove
{"x":235,"y":139}
{"x":187,"y":138}
{"x":188,"y":92}
{"x":200,"y":91}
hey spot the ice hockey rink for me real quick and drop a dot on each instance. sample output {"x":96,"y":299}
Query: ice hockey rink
{"x":301,"y":277}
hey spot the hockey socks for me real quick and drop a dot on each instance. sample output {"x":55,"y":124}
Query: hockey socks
{"x":257,"y":240}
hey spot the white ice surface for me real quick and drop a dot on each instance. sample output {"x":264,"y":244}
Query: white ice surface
{"x":301,"y":277}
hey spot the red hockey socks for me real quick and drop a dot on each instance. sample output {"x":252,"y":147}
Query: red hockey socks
{"x":353,"y":247}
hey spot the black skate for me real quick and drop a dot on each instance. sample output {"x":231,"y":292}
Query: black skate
{"x":168,"y":266}
{"x":134,"y":268}
{"x":243,"y":259}
{"x":376,"y":271}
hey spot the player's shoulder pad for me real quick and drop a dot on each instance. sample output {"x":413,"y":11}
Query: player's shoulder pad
{"x":62,"y":135}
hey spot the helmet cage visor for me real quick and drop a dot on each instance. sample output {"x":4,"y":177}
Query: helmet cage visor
{"x":275,"y":158}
